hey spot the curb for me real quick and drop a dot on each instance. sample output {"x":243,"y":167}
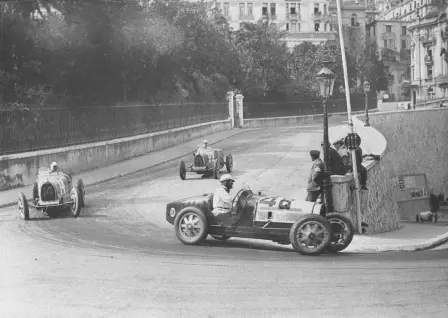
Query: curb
{"x":240,"y":131}
{"x":426,"y":245}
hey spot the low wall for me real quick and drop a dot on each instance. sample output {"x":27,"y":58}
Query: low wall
{"x":20,"y":169}
{"x":417,"y":143}
{"x":297,"y":120}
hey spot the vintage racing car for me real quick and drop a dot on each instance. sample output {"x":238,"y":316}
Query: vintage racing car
{"x":207,"y":161}
{"x":426,"y":216}
{"x":53,"y":190}
{"x":300,"y":223}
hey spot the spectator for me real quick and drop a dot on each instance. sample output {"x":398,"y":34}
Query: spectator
{"x":344,"y":153}
{"x":314,"y":187}
{"x":336,"y":164}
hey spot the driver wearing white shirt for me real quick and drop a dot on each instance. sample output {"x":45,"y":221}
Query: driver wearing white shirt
{"x":222,"y":200}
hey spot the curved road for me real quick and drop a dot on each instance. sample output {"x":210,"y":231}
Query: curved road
{"x":121,"y":259}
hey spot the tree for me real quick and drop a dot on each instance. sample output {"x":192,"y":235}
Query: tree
{"x":372,"y":69}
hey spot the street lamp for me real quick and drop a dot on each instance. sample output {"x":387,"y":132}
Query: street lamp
{"x":326,"y":78}
{"x":366,"y":91}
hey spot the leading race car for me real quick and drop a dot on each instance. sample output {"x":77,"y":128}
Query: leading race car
{"x":285,"y":221}
{"x":53,"y":190}
{"x":207,"y":160}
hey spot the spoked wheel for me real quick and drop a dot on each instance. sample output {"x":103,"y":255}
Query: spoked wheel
{"x":342,"y":232}
{"x":75,"y":208}
{"x":310,"y":234}
{"x":216,"y":169}
{"x":191,"y":226}
{"x":23,"y":207}
{"x":220,"y":237}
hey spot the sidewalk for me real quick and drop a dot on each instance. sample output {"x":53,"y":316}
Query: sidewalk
{"x":107,"y":173}
{"x":411,"y":236}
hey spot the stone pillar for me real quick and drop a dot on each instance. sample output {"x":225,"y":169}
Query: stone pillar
{"x":230,"y":103}
{"x":239,"y":104}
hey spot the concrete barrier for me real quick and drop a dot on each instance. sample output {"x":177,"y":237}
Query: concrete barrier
{"x":297,"y":120}
{"x":20,"y":169}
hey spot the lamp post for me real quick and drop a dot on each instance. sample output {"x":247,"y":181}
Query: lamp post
{"x":326,"y":78}
{"x":366,"y":91}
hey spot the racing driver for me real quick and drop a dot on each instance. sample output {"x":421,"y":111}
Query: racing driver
{"x":222,"y":201}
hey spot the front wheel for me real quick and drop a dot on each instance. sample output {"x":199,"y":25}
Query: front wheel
{"x":191,"y":226}
{"x":229,"y":163}
{"x":310,"y":234}
{"x":182,"y":170}
{"x":342,"y":231}
{"x":82,"y":192}
{"x":23,"y":207}
{"x":216,"y":169}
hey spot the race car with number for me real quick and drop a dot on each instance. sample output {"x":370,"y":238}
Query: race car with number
{"x":303,"y":224}
{"x":207,"y":161}
{"x":53,"y":191}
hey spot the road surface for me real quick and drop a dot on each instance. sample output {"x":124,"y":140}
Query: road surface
{"x":121,"y":259}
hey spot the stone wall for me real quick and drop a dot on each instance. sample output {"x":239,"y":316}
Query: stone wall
{"x":17,"y":170}
{"x":417,"y":142}
{"x":378,"y":206}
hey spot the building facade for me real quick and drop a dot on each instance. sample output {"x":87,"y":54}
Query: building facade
{"x":393,"y":41}
{"x":305,"y":20}
{"x":429,"y":68}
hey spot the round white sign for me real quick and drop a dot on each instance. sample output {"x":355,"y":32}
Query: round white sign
{"x":172,"y":212}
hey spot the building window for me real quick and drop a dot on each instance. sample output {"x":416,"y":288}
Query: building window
{"x":429,"y":72}
{"x":226,"y":9}
{"x":388,"y":28}
{"x":316,"y":27}
{"x":264,"y":9}
{"x":273,"y":10}
{"x":385,"y":44}
{"x":413,"y":73}
{"x":293,"y":27}
{"x":316,"y":8}
{"x":325,"y":9}
{"x":242,"y":10}
{"x":250,"y":9}
{"x":354,"y":20}
{"x":403,"y":44}
{"x":403,"y":30}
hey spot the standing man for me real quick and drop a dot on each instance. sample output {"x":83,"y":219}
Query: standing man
{"x":336,"y":164}
{"x":344,"y":153}
{"x":314,"y":187}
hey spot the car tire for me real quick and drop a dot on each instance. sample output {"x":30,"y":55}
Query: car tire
{"x":216,"y":169}
{"x":23,"y":207}
{"x":35,"y":191}
{"x":312,"y":222}
{"x":229,"y":163}
{"x":342,"y":231}
{"x":182,"y":170}
{"x":184,"y":225}
{"x":75,"y":208}
{"x":82,"y":192}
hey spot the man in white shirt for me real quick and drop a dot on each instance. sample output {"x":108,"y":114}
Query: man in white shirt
{"x":222,"y":201}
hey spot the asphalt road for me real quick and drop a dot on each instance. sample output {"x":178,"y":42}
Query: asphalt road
{"x":121,"y":259}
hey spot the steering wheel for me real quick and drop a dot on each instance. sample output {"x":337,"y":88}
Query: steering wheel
{"x":237,"y":197}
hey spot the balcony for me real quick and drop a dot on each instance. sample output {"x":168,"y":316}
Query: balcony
{"x":317,"y":16}
{"x":293,"y":17}
{"x":328,"y":35}
{"x":247,"y":17}
{"x":388,"y":36}
{"x":428,"y":40}
{"x":429,"y":60}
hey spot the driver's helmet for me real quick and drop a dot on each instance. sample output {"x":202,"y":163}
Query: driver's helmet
{"x":226,"y":177}
{"x":205,"y":143}
{"x":54,"y":166}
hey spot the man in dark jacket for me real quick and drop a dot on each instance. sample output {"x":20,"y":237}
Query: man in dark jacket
{"x":314,"y":187}
{"x":362,"y":171}
{"x":336,"y":163}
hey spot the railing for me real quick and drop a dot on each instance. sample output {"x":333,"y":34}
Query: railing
{"x":293,"y":16}
{"x":291,"y":108}
{"x":328,"y":35}
{"x":46,"y":128}
{"x":388,"y":35}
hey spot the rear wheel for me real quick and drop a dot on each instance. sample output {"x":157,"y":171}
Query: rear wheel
{"x":342,"y":231}
{"x":310,"y":234}
{"x":216,"y":169}
{"x":82,"y":192}
{"x":35,"y":191}
{"x":23,"y":207}
{"x":75,"y":208}
{"x":191,"y":226}
{"x":229,"y":163}
{"x":182,"y":170}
